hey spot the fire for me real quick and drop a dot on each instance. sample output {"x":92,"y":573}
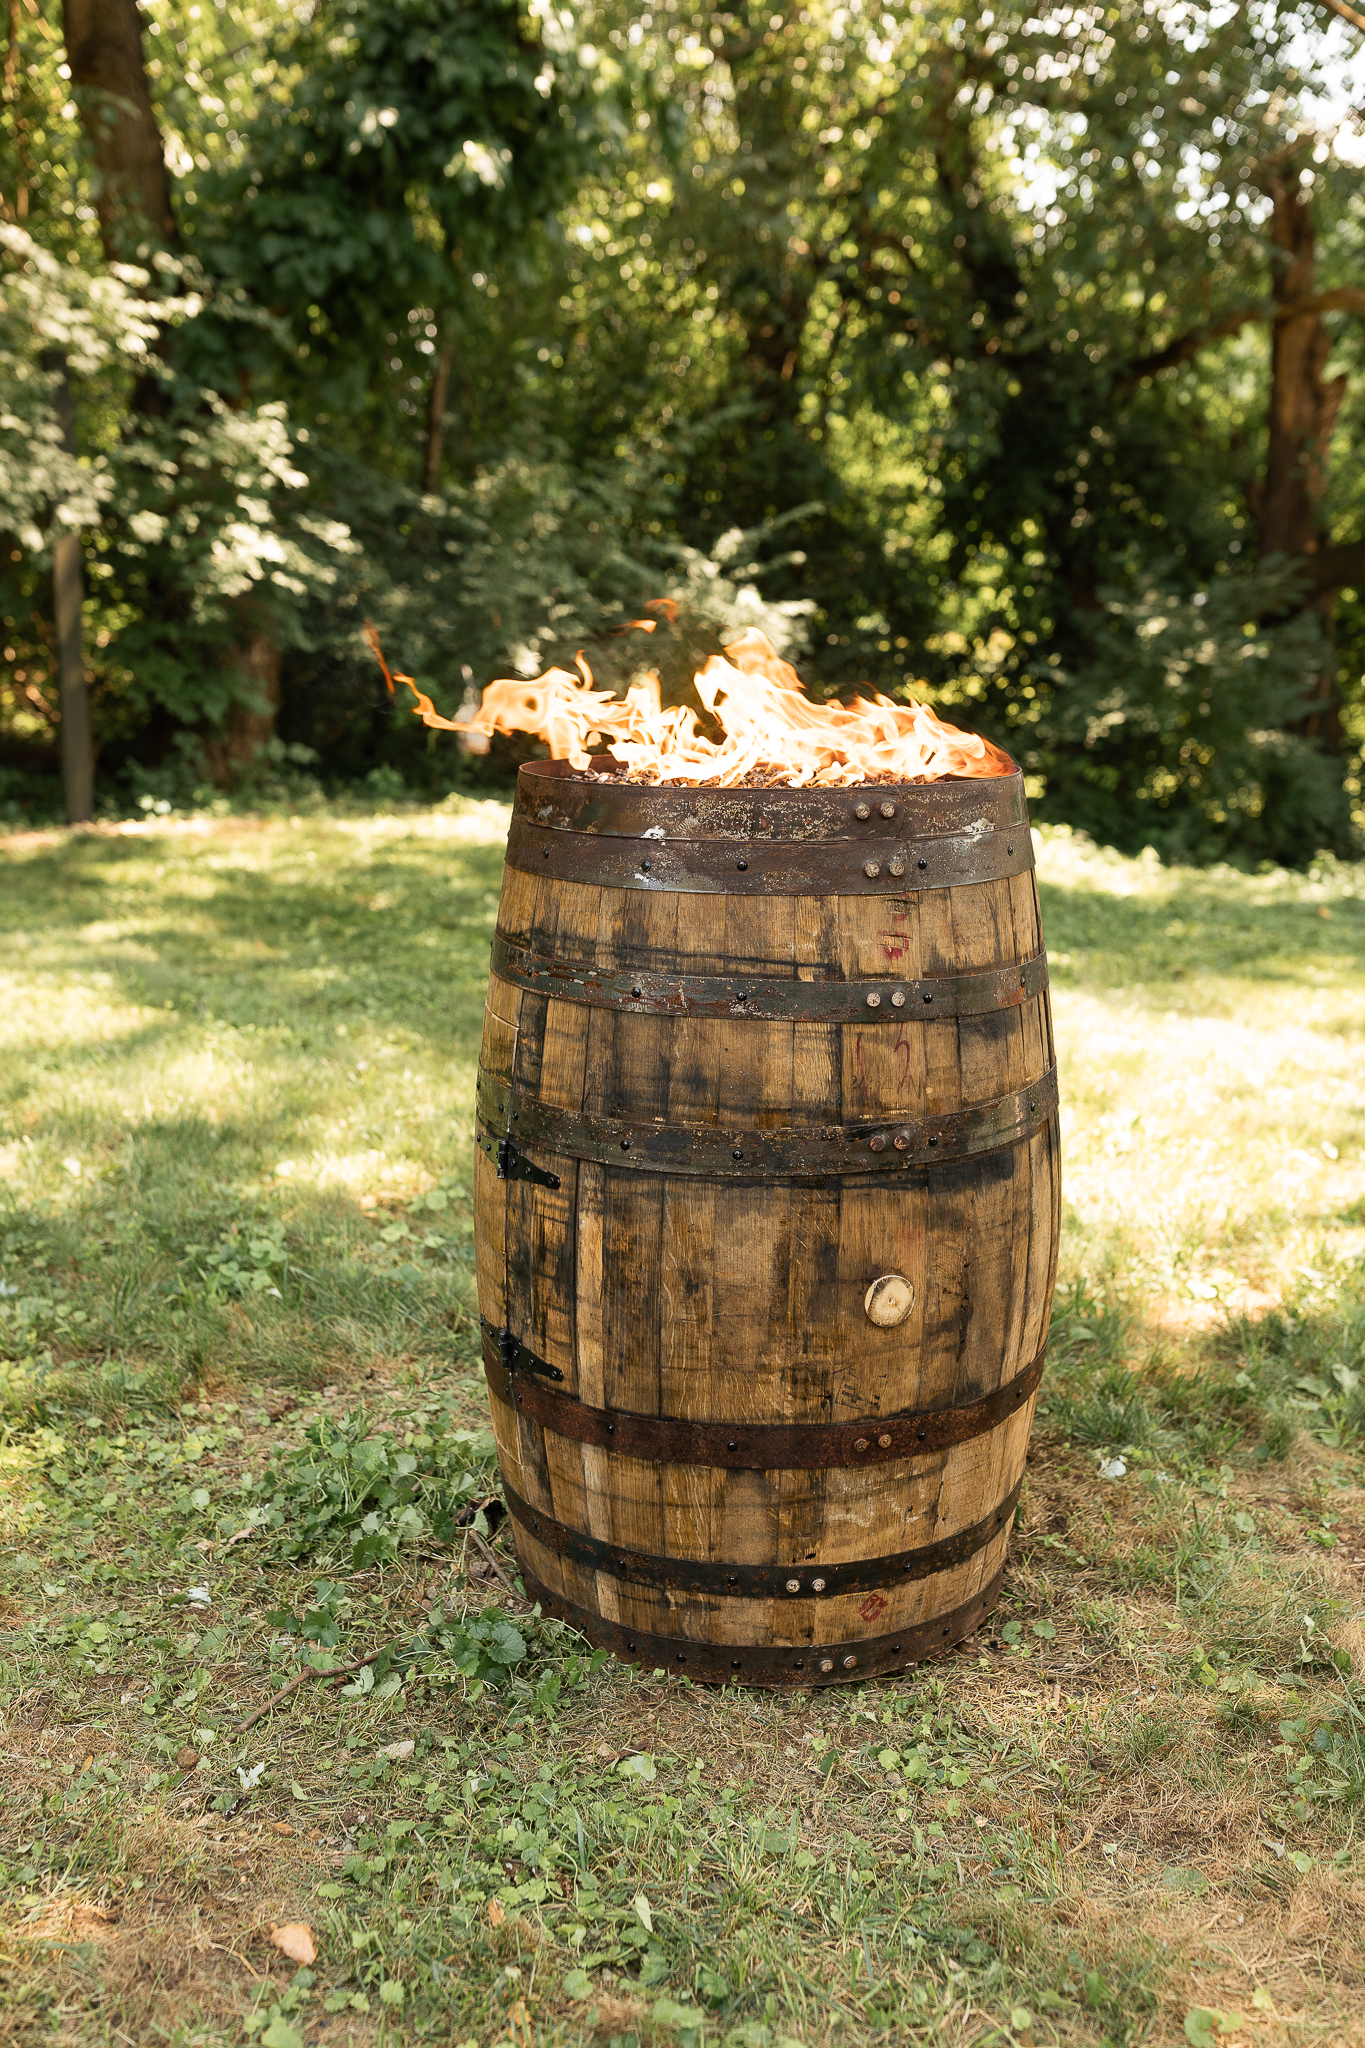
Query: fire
{"x":767,"y":730}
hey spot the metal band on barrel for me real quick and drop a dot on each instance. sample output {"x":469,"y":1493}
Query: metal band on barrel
{"x":555,"y":795}
{"x":758,"y":1581}
{"x":888,"y":1144}
{"x":772,"y":1663}
{"x":758,"y":1446}
{"x":760,"y":996}
{"x":759,"y":867}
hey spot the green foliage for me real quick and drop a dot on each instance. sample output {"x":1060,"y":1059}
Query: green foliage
{"x":419,"y":140}
{"x":1304,"y":1364}
{"x":1178,"y":730}
{"x":968,"y":319}
{"x":476,"y":1650}
{"x":194,"y":535}
{"x":250,"y":1258}
{"x":350,"y":1489}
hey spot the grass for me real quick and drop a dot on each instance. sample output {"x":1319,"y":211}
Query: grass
{"x":244,"y":1444}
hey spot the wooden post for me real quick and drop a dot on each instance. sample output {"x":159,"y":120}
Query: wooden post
{"x":78,"y":761}
{"x":1303,"y":410}
{"x":68,"y":590}
{"x":436,"y":422}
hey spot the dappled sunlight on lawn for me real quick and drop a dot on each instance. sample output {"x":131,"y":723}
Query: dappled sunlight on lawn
{"x":1211,"y":1041}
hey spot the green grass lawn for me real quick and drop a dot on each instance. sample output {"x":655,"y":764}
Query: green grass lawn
{"x":242,"y":1438}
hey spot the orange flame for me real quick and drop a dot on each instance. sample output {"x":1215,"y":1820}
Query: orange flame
{"x":771,"y":732}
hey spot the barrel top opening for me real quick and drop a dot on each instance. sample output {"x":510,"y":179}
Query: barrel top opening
{"x":553,"y":796}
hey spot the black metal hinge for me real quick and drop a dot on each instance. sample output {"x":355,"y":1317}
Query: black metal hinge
{"x":514,"y":1355}
{"x":514,"y":1165}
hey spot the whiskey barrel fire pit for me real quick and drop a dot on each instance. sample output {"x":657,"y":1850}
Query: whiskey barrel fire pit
{"x":766,"y":1198}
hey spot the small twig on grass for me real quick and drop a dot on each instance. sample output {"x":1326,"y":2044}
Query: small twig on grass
{"x":225,"y":1950}
{"x":336,"y":1671}
{"x":497,"y":1568}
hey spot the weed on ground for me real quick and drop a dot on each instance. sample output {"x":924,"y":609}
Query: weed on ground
{"x":288,"y":1759}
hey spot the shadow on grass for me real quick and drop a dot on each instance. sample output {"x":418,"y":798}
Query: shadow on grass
{"x":1255,"y":1384}
{"x":399,"y":935}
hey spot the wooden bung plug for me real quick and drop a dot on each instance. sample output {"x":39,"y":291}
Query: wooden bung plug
{"x":888,"y":1301}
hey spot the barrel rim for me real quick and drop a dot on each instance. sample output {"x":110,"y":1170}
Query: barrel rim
{"x":554,"y":795}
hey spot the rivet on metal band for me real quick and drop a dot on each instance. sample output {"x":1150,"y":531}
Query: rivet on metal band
{"x":804,"y":1152}
{"x":758,"y":1581}
{"x":760,"y":1446}
{"x":824,"y":1001}
{"x":772,"y":1663}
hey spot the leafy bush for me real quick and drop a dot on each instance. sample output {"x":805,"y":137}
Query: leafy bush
{"x":1178,"y":731}
{"x":180,"y":578}
{"x":350,"y":1490}
{"x":1304,"y":1364}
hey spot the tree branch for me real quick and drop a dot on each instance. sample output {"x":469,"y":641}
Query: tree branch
{"x":1346,"y":13}
{"x":1186,"y":345}
{"x":1328,"y":569}
{"x":1345,"y":298}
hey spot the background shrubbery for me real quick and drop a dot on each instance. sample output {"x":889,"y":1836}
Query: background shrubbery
{"x":958,"y":342}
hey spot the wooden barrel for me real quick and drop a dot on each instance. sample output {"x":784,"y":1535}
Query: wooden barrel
{"x":766,"y":1201}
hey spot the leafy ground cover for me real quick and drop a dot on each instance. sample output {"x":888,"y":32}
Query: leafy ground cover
{"x":287,"y":1760}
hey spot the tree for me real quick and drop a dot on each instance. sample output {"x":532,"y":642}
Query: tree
{"x":1013,"y":279}
{"x":104,"y":50}
{"x":423,"y":142}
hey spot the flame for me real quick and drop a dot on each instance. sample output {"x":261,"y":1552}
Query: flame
{"x":770,"y":732}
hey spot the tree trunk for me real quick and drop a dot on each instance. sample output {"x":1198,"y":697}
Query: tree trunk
{"x":68,"y":590}
{"x":436,"y":421}
{"x":1303,"y":412}
{"x":78,"y":761}
{"x":109,"y":82}
{"x":230,"y":753}
{"x":16,"y":210}
{"x":133,"y":198}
